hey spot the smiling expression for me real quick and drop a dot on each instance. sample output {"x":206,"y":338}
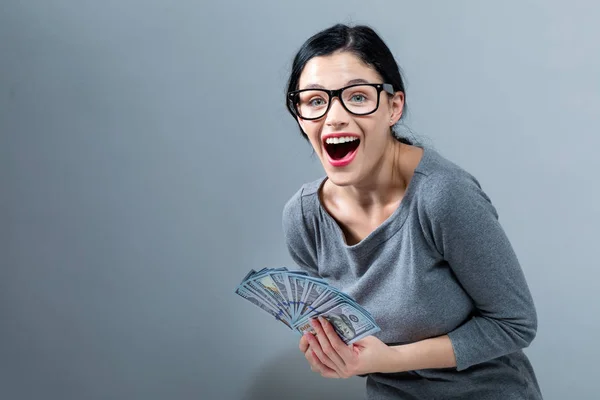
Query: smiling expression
{"x":350,"y":147}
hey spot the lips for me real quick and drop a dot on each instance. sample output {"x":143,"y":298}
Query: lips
{"x":341,"y":148}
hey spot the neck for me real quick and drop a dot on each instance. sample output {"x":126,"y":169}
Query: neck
{"x":387,"y":183}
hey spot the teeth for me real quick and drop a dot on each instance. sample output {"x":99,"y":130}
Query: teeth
{"x":338,"y":140}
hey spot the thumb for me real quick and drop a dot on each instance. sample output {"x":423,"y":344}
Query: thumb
{"x":365,"y":342}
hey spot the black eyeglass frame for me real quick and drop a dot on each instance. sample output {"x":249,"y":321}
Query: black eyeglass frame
{"x":389,"y":88}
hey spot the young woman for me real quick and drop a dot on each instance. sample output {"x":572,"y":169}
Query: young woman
{"x":410,"y":235}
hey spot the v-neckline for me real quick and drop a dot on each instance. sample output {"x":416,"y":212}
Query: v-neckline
{"x":389,"y":226}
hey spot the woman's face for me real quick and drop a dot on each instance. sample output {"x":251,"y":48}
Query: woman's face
{"x":355,"y":161}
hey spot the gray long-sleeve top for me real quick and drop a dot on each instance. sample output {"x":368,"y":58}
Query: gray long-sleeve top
{"x":440,"y":264}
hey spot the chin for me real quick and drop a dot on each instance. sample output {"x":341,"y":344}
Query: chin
{"x":339,"y":178}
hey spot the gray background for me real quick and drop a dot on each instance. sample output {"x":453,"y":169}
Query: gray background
{"x":145,"y":156}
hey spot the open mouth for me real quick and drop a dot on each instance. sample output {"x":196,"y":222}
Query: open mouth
{"x":340,"y":147}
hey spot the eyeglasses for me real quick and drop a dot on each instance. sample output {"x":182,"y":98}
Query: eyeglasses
{"x":359,"y":99}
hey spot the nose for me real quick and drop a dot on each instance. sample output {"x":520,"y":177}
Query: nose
{"x":337,"y":115}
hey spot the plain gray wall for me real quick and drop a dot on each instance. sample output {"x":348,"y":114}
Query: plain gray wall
{"x":146,"y":154}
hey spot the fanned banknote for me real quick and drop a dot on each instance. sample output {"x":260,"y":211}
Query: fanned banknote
{"x":294,"y":297}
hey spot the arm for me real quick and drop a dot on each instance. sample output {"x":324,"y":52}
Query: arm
{"x":464,"y":228}
{"x":328,"y":355}
{"x":429,"y":353}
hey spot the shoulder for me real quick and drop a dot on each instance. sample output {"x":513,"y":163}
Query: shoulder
{"x":447,"y":188}
{"x":300,"y":205}
{"x":298,"y":222}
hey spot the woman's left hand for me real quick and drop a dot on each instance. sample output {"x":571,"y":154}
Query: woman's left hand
{"x":332,"y":358}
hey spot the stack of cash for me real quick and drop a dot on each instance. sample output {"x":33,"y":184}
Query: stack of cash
{"x":294,"y":297}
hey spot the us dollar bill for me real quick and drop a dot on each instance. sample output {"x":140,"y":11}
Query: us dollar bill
{"x":279,"y":315}
{"x":349,"y":322}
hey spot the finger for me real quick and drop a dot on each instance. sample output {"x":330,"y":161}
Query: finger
{"x":303,"y":346}
{"x":336,"y":342}
{"x":315,"y":346}
{"x":309,"y":357}
{"x":313,"y":360}
{"x":318,"y":366}
{"x":326,"y":346}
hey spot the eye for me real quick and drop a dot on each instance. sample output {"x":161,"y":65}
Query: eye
{"x":316,"y":102}
{"x":358,"y":98}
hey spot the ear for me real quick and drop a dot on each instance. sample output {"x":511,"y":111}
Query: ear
{"x":396,"y":107}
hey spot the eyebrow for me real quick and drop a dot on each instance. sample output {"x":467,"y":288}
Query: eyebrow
{"x":350,"y":82}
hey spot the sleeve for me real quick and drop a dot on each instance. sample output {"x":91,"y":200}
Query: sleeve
{"x":298,"y":239}
{"x":466,"y":232}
